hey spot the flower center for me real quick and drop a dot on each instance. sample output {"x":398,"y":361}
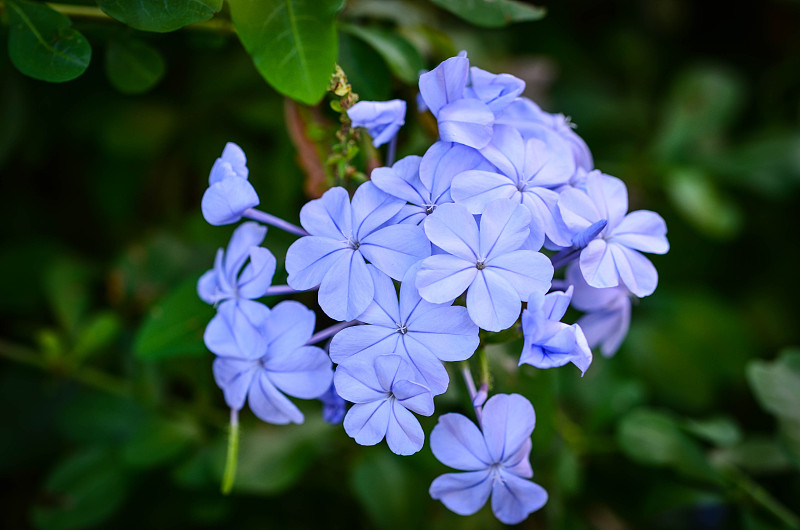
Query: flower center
{"x":402,"y":329}
{"x":480,"y":265}
{"x":354,"y":245}
{"x":429,"y":209}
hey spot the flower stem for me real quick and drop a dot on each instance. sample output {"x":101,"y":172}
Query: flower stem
{"x":278,"y":290}
{"x":229,"y":476}
{"x":268,"y":219}
{"x":466,"y":372}
{"x":565,"y":256}
{"x":330,"y":332}
{"x":391,"y":153}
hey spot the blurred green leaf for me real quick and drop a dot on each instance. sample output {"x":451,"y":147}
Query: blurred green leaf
{"x":66,"y":283}
{"x":43,"y":44}
{"x":175,"y":325}
{"x":158,"y":441}
{"x":158,"y":15}
{"x":654,"y":438}
{"x":133,"y":66}
{"x":776,"y":384}
{"x":292,"y":42}
{"x":401,"y":56}
{"x":272,"y":458}
{"x":96,"y":333}
{"x":702,"y":203}
{"x":492,"y":13}
{"x":757,"y":455}
{"x":85,"y":490}
{"x":703,"y":101}
{"x":723,"y":432}
{"x":366,"y":71}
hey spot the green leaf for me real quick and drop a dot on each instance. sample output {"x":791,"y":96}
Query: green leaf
{"x":723,"y":432}
{"x":777,"y":385}
{"x":85,"y":489}
{"x":365,"y":69}
{"x":43,"y":44}
{"x":159,"y":15}
{"x":402,"y":57}
{"x":756,"y":455}
{"x":133,"y":66}
{"x":96,"y":333}
{"x":67,"y":291}
{"x":703,"y":204}
{"x":175,"y":325}
{"x":292,"y":43}
{"x":158,"y":441}
{"x":492,"y":13}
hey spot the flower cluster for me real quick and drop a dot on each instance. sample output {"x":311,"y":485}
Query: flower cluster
{"x":424,"y":255}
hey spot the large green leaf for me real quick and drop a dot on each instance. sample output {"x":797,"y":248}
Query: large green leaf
{"x":292,"y":42}
{"x":777,"y":385}
{"x":43,"y":44}
{"x":401,"y":56}
{"x":492,"y":13}
{"x":133,"y":66}
{"x":175,"y":325}
{"x":160,"y":15}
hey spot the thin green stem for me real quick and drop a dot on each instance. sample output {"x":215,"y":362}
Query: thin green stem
{"x":229,"y":476}
{"x":217,"y":25}
{"x":761,"y":496}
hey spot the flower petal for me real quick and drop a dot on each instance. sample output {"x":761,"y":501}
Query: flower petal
{"x":368,"y":339}
{"x":598,"y":265}
{"x":466,"y":121}
{"x":476,"y":189}
{"x":642,"y":230}
{"x":492,"y":302}
{"x":456,"y":442}
{"x":504,"y":228}
{"x":236,"y":330}
{"x":371,"y":208}
{"x":347,"y":288}
{"x":225,"y":201}
{"x":636,"y":271}
{"x":442,"y":278}
{"x":527,"y":271}
{"x":367,"y":423}
{"x":356,"y":381}
{"x":404,"y":434}
{"x":310,"y":258}
{"x":443,"y":161}
{"x":394,"y":249}
{"x":507,"y":420}
{"x":269,"y":404}
{"x":402,"y":180}
{"x":445,"y":83}
{"x":257,"y":275}
{"x":413,"y":396}
{"x":384,"y":309}
{"x":234,"y":377}
{"x":288,"y":327}
{"x":428,"y":369}
{"x":328,"y":216}
{"x":452,"y":228}
{"x":306,"y":373}
{"x":514,"y":498}
{"x":447,"y":331}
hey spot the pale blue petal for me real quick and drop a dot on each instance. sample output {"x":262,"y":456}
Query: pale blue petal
{"x":447,"y":331}
{"x":306,"y":373}
{"x":582,"y":355}
{"x":597,"y":265}
{"x":515,"y":498}
{"x":347,"y":288}
{"x":527,"y":271}
{"x":394,"y":249}
{"x":462,"y":493}
{"x":328,"y":216}
{"x":208,"y":288}
{"x":496,"y":90}
{"x":556,"y":304}
{"x":543,"y":205}
{"x":402,"y":180}
{"x":236,"y":330}
{"x":388,"y":368}
{"x":384,"y":309}
{"x":442,"y":278}
{"x":519,"y":463}
{"x":371,"y":208}
{"x":428,"y":369}
{"x":404,"y":434}
{"x":445,"y":160}
{"x":289,"y":326}
{"x":444,"y":84}
{"x":412,"y":306}
{"x":493,"y":303}
{"x":476,"y":189}
{"x":506,"y":152}
{"x":310,"y":258}
{"x":257,"y":275}
{"x":453,"y":228}
{"x":504,"y":227}
{"x":413,"y":396}
{"x":610,"y":195}
{"x":456,"y":442}
{"x":507,"y":421}
{"x":245,"y":237}
{"x":588,"y":298}
{"x":367,"y":423}
{"x":234,"y":377}
{"x":642,"y":230}
{"x":578,"y":211}
{"x":367,"y":339}
{"x":268,"y":404}
{"x":234,"y":155}
{"x":225,"y":201}
{"x":221,"y":170}
{"x":636,"y":271}
{"x":382,"y":119}
{"x":548,"y":159}
{"x":607,"y":328}
{"x":466,"y":121}
{"x":355,"y":380}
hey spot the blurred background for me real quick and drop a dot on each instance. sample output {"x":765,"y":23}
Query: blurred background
{"x":110,"y":414}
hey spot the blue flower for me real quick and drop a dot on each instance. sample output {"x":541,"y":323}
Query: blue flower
{"x":285,"y":365}
{"x":342,"y":236}
{"x":385,"y":395}
{"x":607,"y":312}
{"x":235,"y":329}
{"x":614,"y":256}
{"x":424,"y":183}
{"x":462,"y":120}
{"x":424,"y":334}
{"x":495,"y":461}
{"x":498,"y":91}
{"x":532,"y":122}
{"x":229,"y":193}
{"x":548,"y":341}
{"x":382,"y":119}
{"x":486,"y":262}
{"x":528,"y":173}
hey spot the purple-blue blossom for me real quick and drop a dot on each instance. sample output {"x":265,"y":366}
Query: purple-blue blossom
{"x":284,"y":366}
{"x":241,"y":273}
{"x":422,"y":333}
{"x":614,"y":257}
{"x":344,"y":236}
{"x":550,"y":342}
{"x":382,"y":119}
{"x":527,"y":172}
{"x":385,"y":395}
{"x":485,"y":261}
{"x":229,"y":192}
{"x":333,"y":406}
{"x":495,"y":460}
{"x":607,"y":312}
